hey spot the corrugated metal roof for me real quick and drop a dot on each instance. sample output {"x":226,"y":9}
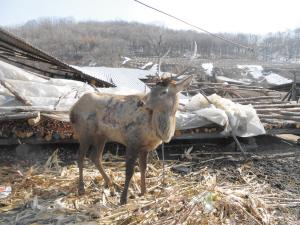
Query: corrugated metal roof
{"x":120,"y":77}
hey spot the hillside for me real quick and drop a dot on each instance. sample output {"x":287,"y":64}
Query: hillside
{"x":104,"y":43}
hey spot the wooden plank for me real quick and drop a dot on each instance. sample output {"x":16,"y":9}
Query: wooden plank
{"x":283,"y":123}
{"x":256,"y":98}
{"x":222,"y":84}
{"x":288,"y":113}
{"x":18,"y":116}
{"x":284,"y":131}
{"x":18,"y":96}
{"x":295,"y":139}
{"x":186,"y":136}
{"x":46,"y":109}
{"x":283,"y":105}
{"x":16,"y":141}
{"x":278,"y":110}
{"x":283,"y":117}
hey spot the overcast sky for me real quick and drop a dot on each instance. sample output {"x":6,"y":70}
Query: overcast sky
{"x":247,"y":16}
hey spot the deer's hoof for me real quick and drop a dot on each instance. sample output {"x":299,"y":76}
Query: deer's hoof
{"x":81,"y":191}
{"x":123,"y":201}
{"x":107,"y":185}
{"x":112,"y":190}
{"x":117,"y":186}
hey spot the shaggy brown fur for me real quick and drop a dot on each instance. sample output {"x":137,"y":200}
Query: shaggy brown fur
{"x":140,"y":122}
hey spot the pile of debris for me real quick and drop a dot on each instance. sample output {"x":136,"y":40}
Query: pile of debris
{"x":46,"y":129}
{"x":274,"y":111}
{"x":35,"y":107}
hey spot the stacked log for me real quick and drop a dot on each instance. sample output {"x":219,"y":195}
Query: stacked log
{"x":47,"y":129}
{"x":231,"y":90}
{"x":209,"y":129}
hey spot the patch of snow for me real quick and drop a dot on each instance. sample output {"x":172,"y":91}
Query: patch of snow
{"x":126,"y":59}
{"x":146,"y":65}
{"x":92,"y":64}
{"x":276,"y":79}
{"x":254,"y":70}
{"x":246,"y":80}
{"x":154,"y":69}
{"x":208,"y":67}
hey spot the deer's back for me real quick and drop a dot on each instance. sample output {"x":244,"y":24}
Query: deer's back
{"x":122,"y":119}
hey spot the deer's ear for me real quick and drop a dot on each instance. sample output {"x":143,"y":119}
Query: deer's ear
{"x":184,"y":83}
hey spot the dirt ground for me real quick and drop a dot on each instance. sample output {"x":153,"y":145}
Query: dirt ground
{"x":273,"y":165}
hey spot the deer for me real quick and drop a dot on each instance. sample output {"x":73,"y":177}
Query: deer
{"x":139,"y":122}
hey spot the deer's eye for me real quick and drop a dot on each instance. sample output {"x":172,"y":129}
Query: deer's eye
{"x":163,"y":93}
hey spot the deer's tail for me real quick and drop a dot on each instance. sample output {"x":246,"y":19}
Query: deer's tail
{"x":73,"y":117}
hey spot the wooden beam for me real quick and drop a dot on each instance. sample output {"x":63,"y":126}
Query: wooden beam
{"x":283,"y":105}
{"x":256,"y":98}
{"x":18,"y":96}
{"x":278,"y":110}
{"x":18,"y":116}
{"x":283,"y":117}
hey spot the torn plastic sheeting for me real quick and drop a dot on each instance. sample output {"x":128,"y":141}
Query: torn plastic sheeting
{"x":242,"y":118}
{"x":49,"y":89}
{"x":189,"y":120}
{"x":214,"y":115}
{"x":196,"y":102}
{"x":39,"y":91}
{"x":247,"y":125}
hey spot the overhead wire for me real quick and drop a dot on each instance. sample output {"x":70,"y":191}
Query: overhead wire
{"x":196,"y":27}
{"x":211,"y":34}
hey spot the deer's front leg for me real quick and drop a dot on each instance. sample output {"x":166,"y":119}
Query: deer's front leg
{"x":143,"y":167}
{"x":131,"y":156}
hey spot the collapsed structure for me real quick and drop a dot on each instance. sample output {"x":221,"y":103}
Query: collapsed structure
{"x":37,"y":91}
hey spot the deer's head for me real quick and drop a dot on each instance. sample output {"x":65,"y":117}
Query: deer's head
{"x":163,"y":101}
{"x":163,"y":96}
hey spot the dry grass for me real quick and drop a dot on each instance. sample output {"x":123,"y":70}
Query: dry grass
{"x":48,"y":195}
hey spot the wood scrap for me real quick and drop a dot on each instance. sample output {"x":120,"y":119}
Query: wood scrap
{"x":278,"y":110}
{"x":34,"y":121}
{"x":295,"y":139}
{"x":277,"y":116}
{"x":256,"y":98}
{"x":18,"y":96}
{"x":18,"y":116}
{"x":283,"y":105}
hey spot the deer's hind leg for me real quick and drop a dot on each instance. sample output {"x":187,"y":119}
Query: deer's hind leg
{"x":131,"y":157}
{"x":97,"y":159}
{"x":143,"y":166}
{"x":84,"y":145}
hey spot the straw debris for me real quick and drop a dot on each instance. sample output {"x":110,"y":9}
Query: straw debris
{"x":47,"y":194}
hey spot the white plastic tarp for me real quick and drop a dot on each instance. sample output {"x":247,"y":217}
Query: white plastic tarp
{"x":240,"y":118}
{"x":39,"y":91}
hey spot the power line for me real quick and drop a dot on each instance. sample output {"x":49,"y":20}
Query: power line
{"x":196,"y":27}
